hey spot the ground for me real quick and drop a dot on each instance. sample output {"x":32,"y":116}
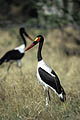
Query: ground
{"x":21,"y":96}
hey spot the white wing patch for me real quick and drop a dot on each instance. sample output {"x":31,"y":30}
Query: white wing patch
{"x":21,"y":48}
{"x":60,"y":95}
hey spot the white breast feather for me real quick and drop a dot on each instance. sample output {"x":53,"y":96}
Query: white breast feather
{"x":21,"y":48}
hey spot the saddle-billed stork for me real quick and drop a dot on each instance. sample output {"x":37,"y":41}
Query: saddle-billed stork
{"x":46,"y":76}
{"x":17,"y":53}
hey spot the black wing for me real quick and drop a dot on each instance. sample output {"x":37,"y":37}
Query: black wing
{"x":50,"y":80}
{"x":12,"y":55}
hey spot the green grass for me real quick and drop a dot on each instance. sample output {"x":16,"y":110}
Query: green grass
{"x":22,"y":97}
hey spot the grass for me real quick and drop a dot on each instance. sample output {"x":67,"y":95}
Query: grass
{"x":22,"y":97}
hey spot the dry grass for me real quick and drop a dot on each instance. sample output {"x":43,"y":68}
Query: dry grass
{"x":22,"y":97}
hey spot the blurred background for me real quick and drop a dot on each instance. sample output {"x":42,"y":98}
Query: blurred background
{"x":54,"y":13}
{"x":21,"y":96}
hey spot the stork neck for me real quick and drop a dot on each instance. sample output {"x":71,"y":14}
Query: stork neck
{"x":22,"y":35}
{"x":39,"y":56}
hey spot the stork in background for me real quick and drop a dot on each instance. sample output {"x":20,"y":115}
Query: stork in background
{"x":17,"y":53}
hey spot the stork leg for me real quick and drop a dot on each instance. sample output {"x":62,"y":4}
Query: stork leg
{"x":19,"y":63}
{"x":9,"y":66}
{"x":49,"y":95}
{"x":6,"y":72}
{"x":46,"y":89}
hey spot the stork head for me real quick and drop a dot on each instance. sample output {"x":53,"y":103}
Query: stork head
{"x":22,"y":31}
{"x":36,"y":40}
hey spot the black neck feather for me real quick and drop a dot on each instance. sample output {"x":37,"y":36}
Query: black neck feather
{"x":39,"y":56}
{"x":22,"y":35}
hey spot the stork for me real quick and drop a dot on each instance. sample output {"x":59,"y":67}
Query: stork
{"x":17,"y":53}
{"x":46,"y":75}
